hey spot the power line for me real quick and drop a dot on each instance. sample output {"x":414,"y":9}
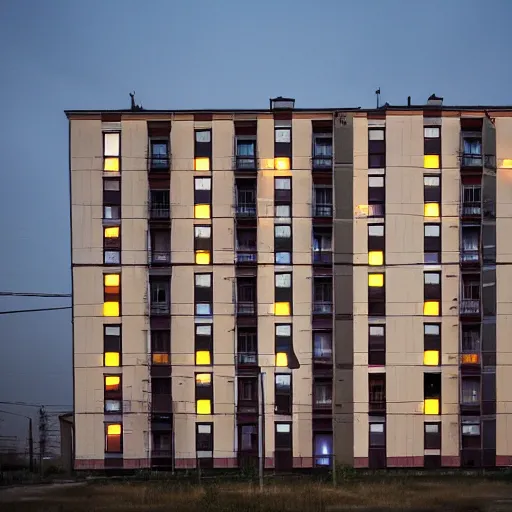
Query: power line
{"x":15,"y":311}
{"x":33,"y":294}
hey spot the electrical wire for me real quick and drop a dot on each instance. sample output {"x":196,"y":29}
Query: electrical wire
{"x":15,"y":311}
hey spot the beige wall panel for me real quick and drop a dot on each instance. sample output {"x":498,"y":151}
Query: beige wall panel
{"x":136,"y":387}
{"x":182,"y":240}
{"x":360,"y":389}
{"x":360,"y":330}
{"x":266,"y":241}
{"x":360,"y":241}
{"x":182,"y":194}
{"x":266,"y":337}
{"x":404,"y":295}
{"x":182,"y":146}
{"x":223,"y":291}
{"x":223,"y":231}
{"x":360,"y":291}
{"x":182,"y":338}
{"x":224,"y":342}
{"x":361,"y":434}
{"x":404,"y":340}
{"x":135,"y":436}
{"x":302,"y":292}
{"x":185,"y":435}
{"x":450,"y":435}
{"x":89,"y":436}
{"x":224,"y":391}
{"x":182,"y":291}
{"x":449,"y":340}
{"x":88,"y":292}
{"x":450,"y":175}
{"x":302,"y":142}
{"x":266,"y":295}
{"x":89,"y":389}
{"x":224,"y":437}
{"x":86,"y":145}
{"x":360,"y":145}
{"x":449,"y":390}
{"x":223,"y":194}
{"x":404,"y":390}
{"x":503,"y":185}
{"x":223,"y":142}
{"x":265,"y":142}
{"x":450,"y":279}
{"x":404,"y":435}
{"x":134,"y":289}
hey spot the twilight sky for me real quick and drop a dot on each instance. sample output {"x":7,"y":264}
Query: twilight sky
{"x":70,"y":54}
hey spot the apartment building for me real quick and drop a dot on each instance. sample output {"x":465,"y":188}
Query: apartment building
{"x":316,"y":285}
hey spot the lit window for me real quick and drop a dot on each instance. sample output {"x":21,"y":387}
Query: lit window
{"x":431,"y":358}
{"x":282,"y":309}
{"x":111,"y":151}
{"x":376,"y":280}
{"x":112,"y":232}
{"x":507,"y":163}
{"x":203,"y":379}
{"x":431,"y":308}
{"x":282,"y":164}
{"x":112,"y":382}
{"x":160,"y":358}
{"x":375,"y":258}
{"x":111,"y":164}
{"x":204,"y":406}
{"x":111,"y":309}
{"x":202,"y":211}
{"x":202,"y":257}
{"x":202,"y":164}
{"x":114,"y":430}
{"x":469,"y":358}
{"x":111,"y":358}
{"x":431,"y":406}
{"x":431,"y":162}
{"x":431,"y":209}
{"x":203,"y":357}
{"x":282,"y":359}
{"x":111,"y":280}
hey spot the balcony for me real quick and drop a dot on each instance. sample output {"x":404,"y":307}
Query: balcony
{"x":245,"y":210}
{"x":159,"y":163}
{"x":321,"y":163}
{"x":247,"y":358}
{"x":471,"y":160}
{"x":244,"y":308}
{"x":469,"y":307}
{"x":159,"y":211}
{"x":322,"y":257}
{"x":469,"y":256}
{"x":160,"y":257}
{"x":322,"y":210}
{"x":159,"y":308}
{"x":322,"y":307}
{"x":246,"y":255}
{"x":377,"y":403}
{"x":471,"y":209}
{"x":245,"y":163}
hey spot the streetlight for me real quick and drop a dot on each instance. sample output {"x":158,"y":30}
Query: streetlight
{"x":30,"y":438}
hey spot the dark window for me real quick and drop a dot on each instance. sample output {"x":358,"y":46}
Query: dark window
{"x":160,"y":300}
{"x":246,"y":295}
{"x":376,"y":148}
{"x":246,"y":198}
{"x":203,"y":344}
{"x":202,"y":191}
{"x":377,"y":435}
{"x":283,"y":139}
{"x":432,"y":393}
{"x":160,"y":204}
{"x":432,"y":141}
{"x":432,"y":243}
{"x":112,"y":191}
{"x":283,"y":291}
{"x":282,"y":190}
{"x":322,"y":295}
{"x":202,"y":240}
{"x":112,"y":350}
{"x":248,"y":438}
{"x":376,"y":239}
{"x":472,"y":152}
{"x":283,"y":436}
{"x":283,"y":393}
{"x":376,"y":295}
{"x":247,"y":346}
{"x":246,"y":245}
{"x":245,"y":152}
{"x":432,"y":286}
{"x":377,"y":345}
{"x":247,"y":389}
{"x":432,"y":436}
{"x":113,"y":394}
{"x":322,"y":346}
{"x":322,"y":206}
{"x":160,"y":246}
{"x":283,"y":344}
{"x":203,"y":144}
{"x":160,"y":347}
{"x":432,"y":336}
{"x":159,"y":155}
{"x":322,"y":394}
{"x":322,"y":246}
{"x":470,"y":391}
{"x":376,"y":190}
{"x":204,"y":440}
{"x":111,"y":212}
{"x":472,"y":200}
{"x":322,"y":151}
{"x":283,"y":244}
{"x":470,"y":344}
{"x":377,"y":393}
{"x":203,"y":295}
{"x":432,"y":190}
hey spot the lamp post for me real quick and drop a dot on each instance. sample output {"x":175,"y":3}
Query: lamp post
{"x":30,"y":438}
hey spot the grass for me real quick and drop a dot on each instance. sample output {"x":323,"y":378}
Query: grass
{"x":448,"y":494}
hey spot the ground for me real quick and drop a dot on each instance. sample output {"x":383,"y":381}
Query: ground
{"x":472,"y":494}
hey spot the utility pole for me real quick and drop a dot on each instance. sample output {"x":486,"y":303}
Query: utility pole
{"x":30,"y":446}
{"x":42,"y":437}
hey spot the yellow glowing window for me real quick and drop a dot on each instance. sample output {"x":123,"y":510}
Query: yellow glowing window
{"x":111,"y":309}
{"x":111,"y":280}
{"x":202,"y":211}
{"x":202,"y":257}
{"x":160,"y":358}
{"x":204,"y":406}
{"x":111,"y":164}
{"x":431,"y":406}
{"x":431,"y":209}
{"x":111,"y":358}
{"x":376,"y":280}
{"x":112,"y":232}
{"x":282,"y":308}
{"x":375,"y":258}
{"x":431,"y":308}
{"x":507,"y":163}
{"x":282,"y":359}
{"x":469,"y":358}
{"x":114,"y":430}
{"x":203,"y":357}
{"x":431,"y":162}
{"x":282,"y":164}
{"x":203,"y":379}
{"x":202,"y":164}
{"x":431,"y":358}
{"x":112,"y":382}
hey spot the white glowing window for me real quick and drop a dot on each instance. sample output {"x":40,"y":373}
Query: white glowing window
{"x":432,"y":278}
{"x":202,"y":231}
{"x":376,"y":330}
{"x":204,"y":429}
{"x":283,"y":231}
{"x":203,"y":330}
{"x":283,"y":280}
{"x":112,"y":330}
{"x":375,"y":181}
{"x":432,"y":230}
{"x":283,"y":135}
{"x":431,"y":329}
{"x":431,"y":181}
{"x":376,"y":134}
{"x":283,"y":330}
{"x":282,"y":184}
{"x":431,"y":428}
{"x":377,"y":428}
{"x":203,"y":135}
{"x":375,"y":230}
{"x":203,"y":183}
{"x":283,"y":428}
{"x":112,"y":144}
{"x":203,"y":280}
{"x":431,"y":132}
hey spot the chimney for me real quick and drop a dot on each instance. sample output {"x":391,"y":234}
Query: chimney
{"x":435,"y":100}
{"x":408,"y":101}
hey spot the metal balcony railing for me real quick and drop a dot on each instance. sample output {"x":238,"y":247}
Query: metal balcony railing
{"x":160,"y":257}
{"x":469,"y":256}
{"x":322,"y":307}
{"x":469,"y":307}
{"x":159,"y":163}
{"x":245,"y":209}
{"x":322,"y":355}
{"x":246,"y":256}
{"x":321,"y":162}
{"x":245,"y":163}
{"x":324,"y":257}
{"x":472,"y":160}
{"x":245,"y":308}
{"x":159,"y":308}
{"x":471,"y":209}
{"x":159,"y":211}
{"x":248,"y":358}
{"x":322,"y":210}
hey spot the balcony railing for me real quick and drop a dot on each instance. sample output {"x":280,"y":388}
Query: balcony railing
{"x":159,"y":163}
{"x":322,"y":210}
{"x":246,"y":256}
{"x":245,"y":308}
{"x":471,"y":209}
{"x":322,"y":257}
{"x":377,"y":404}
{"x":322,"y":307}
{"x":472,"y":160}
{"x":469,"y":256}
{"x":322,"y":403}
{"x":159,"y":211}
{"x":159,"y":308}
{"x":247,"y":358}
{"x":245,"y":209}
{"x":469,"y":307}
{"x":245,"y":163}
{"x":321,"y":163}
{"x":160,"y":453}
{"x":160,"y":257}
{"x":322,"y":356}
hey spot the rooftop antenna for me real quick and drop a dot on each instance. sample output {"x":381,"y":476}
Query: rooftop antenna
{"x":377,"y":93}
{"x":132,"y":96}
